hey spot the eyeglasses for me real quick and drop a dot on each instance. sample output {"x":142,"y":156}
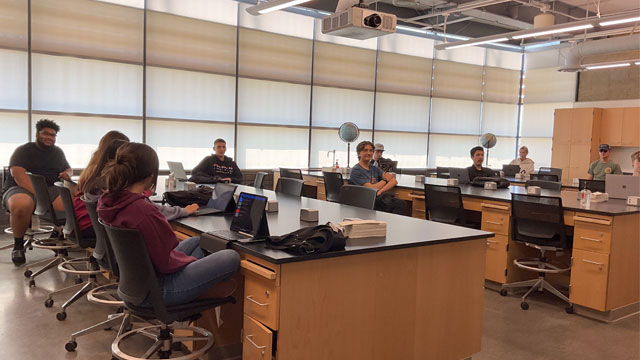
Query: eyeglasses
{"x":602,"y":150}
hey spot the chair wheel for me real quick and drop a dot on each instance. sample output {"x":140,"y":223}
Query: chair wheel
{"x":61,"y":316}
{"x":78,"y":280}
{"x":71,"y":346}
{"x":569,"y":309}
{"x":164,"y":354}
{"x":32,"y":283}
{"x":503,"y":292}
{"x":28,"y":273}
{"x":524,"y":305}
{"x":48,"y":303}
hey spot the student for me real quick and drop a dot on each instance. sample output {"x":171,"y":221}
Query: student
{"x":476,"y":170}
{"x":526,"y":164}
{"x":635,"y":162}
{"x":217,"y":167}
{"x":385,"y":164}
{"x":365,"y":174}
{"x":600,"y":168}
{"x":185,"y":273}
{"x":41,"y":157}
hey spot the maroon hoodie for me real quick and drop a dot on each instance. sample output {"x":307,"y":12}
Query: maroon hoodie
{"x":127,"y":210}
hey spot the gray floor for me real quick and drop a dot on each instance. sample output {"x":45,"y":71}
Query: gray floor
{"x":28,"y":330}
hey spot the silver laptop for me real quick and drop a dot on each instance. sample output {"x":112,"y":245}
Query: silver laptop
{"x":462,"y":174}
{"x":622,"y":186}
{"x":178,"y":170}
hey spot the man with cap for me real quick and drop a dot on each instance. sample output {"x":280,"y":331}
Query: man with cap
{"x":387,"y":165}
{"x":600,"y":168}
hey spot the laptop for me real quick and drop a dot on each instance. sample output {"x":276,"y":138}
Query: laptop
{"x":249,"y":222}
{"x":622,"y":186}
{"x":462,"y":174}
{"x":178,"y":170}
{"x":221,"y":200}
{"x":510,"y":170}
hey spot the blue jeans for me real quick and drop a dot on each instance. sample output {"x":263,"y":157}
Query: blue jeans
{"x":199,"y":276}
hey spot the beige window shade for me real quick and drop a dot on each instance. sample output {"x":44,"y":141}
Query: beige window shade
{"x":501,"y":85}
{"x":13,"y":24}
{"x":87,"y":28}
{"x":549,"y":85}
{"x":457,"y":80}
{"x":191,"y":44}
{"x":403,"y":74}
{"x":344,"y":66}
{"x":270,"y":56}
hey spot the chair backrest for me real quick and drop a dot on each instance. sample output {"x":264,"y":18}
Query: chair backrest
{"x":259,"y":179}
{"x":538,"y":220}
{"x":289,"y":186}
{"x":44,"y":206}
{"x":332,"y":184}
{"x":442,"y":172}
{"x":291,"y":173}
{"x":138,"y":280}
{"x":545,"y":177}
{"x":103,"y":252}
{"x":444,"y":204}
{"x":356,"y":195}
{"x":71,"y":226}
{"x":553,"y":171}
{"x":549,"y":185}
{"x":592,"y":185}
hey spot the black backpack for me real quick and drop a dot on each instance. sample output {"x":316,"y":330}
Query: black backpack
{"x":501,"y":182}
{"x":309,"y":240}
{"x":184,"y":198}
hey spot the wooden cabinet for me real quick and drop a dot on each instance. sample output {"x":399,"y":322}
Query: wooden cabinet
{"x":496,"y":260}
{"x":620,"y":126}
{"x":418,"y":206}
{"x":589,"y":272}
{"x":257,"y":343}
{"x":631,"y":127}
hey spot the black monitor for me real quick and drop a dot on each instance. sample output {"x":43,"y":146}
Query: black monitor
{"x":250,"y":217}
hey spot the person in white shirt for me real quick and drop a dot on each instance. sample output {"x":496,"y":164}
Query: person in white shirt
{"x":526,"y":164}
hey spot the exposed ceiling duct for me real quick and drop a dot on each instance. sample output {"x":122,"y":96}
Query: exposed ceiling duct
{"x":572,"y":62}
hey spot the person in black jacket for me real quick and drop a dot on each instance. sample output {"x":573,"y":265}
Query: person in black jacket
{"x":476,"y":170}
{"x":217,"y":167}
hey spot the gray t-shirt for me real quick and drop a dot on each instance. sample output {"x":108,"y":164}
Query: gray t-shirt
{"x":600,"y":169}
{"x":361,"y":176}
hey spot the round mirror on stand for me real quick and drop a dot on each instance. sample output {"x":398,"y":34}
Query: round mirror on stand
{"x":488,"y":141}
{"x":348,"y":133}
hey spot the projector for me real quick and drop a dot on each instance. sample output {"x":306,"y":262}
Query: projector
{"x":359,"y":23}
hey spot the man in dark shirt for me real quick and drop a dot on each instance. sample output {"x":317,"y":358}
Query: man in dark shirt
{"x":217,"y":168}
{"x":41,"y":157}
{"x":387,"y":165}
{"x":476,"y":170}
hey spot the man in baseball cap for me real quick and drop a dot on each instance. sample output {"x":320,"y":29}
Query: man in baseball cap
{"x":600,"y":168}
{"x":386,"y":165}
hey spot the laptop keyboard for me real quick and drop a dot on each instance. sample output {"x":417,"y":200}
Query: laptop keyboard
{"x":229,"y":235}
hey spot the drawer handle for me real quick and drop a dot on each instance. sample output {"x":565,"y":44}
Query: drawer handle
{"x":590,"y":239}
{"x":420,"y":210}
{"x":261,"y":348}
{"x":493,"y":222}
{"x":593,"y":262}
{"x":250,"y":298}
{"x":489,"y":242}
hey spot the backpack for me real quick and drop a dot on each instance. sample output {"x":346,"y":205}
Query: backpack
{"x":184,"y":198}
{"x":309,"y":240}
{"x":502,"y":182}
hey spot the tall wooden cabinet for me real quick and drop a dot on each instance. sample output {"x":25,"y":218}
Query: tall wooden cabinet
{"x":620,"y":126}
{"x":576,"y":136}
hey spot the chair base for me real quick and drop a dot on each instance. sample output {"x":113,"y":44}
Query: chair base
{"x":165,"y":342}
{"x":124,"y":319}
{"x":539,"y":284}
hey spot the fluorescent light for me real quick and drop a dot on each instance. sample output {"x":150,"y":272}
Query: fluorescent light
{"x":596,"y":67}
{"x":273,"y":5}
{"x":621,"y":21}
{"x":554,"y":31}
{"x":637,"y":62}
{"x":539,"y":45}
{"x":476,"y":43}
{"x":411,"y":29}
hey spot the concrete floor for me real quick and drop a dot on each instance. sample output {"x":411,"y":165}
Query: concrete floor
{"x":28,"y":330}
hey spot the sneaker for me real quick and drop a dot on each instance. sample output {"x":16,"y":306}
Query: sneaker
{"x":17,"y":256}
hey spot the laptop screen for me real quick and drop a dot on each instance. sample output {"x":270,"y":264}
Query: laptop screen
{"x":177,"y":169}
{"x":221,"y":196}
{"x":249,"y":213}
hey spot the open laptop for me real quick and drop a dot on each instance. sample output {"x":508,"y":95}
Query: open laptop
{"x":249,"y":221}
{"x":178,"y":170}
{"x":221,"y":200}
{"x":511,"y":170}
{"x":462,"y":174}
{"x":622,"y":186}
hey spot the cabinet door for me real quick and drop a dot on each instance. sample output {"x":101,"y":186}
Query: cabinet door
{"x":589,"y":273}
{"x":580,"y":156}
{"x":496,"y":259}
{"x":562,"y":126}
{"x":631,"y":127}
{"x":561,"y":155}
{"x":581,"y":126}
{"x":611,"y":126}
{"x":257,"y":342}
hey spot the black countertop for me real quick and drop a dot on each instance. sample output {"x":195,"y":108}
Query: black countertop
{"x":402,"y":231}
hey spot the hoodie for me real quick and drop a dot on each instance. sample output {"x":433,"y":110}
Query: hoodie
{"x":128,"y":210}
{"x":211,"y":170}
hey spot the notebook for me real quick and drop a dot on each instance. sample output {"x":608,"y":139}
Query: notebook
{"x":178,"y":170}
{"x":221,"y":200}
{"x":249,"y":221}
{"x":462,"y":174}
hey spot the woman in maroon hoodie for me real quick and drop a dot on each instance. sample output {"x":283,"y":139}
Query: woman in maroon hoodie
{"x":185,"y":272}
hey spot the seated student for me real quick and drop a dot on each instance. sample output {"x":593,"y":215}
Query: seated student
{"x":184,"y":270}
{"x":217,"y":167}
{"x":600,"y":168}
{"x":41,"y":157}
{"x":635,"y":162}
{"x":526,"y":164}
{"x":365,"y":174}
{"x":385,"y":164}
{"x":476,"y":170}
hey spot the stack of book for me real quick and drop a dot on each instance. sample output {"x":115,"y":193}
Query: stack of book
{"x":357,"y":228}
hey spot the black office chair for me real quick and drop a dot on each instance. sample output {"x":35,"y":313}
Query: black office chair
{"x":444,"y":204}
{"x":592,"y":185}
{"x":289,"y":186}
{"x":259,"y":179}
{"x":291,"y":173}
{"x":549,"y":185}
{"x":139,"y":284}
{"x":333,"y":182}
{"x":442,"y":172}
{"x":544,"y":177}
{"x":538,"y":222}
{"x":553,"y":171}
{"x":360,"y":196}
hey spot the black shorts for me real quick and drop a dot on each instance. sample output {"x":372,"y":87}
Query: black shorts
{"x":53,"y":194}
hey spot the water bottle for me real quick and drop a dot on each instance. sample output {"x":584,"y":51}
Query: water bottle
{"x":337,"y":165}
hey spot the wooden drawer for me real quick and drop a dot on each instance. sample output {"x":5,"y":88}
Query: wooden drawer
{"x":592,"y":234}
{"x":495,"y":220}
{"x":261,"y":299}
{"x":589,"y":274}
{"x":496,"y":259}
{"x":257,"y":343}
{"x":418,"y":207}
